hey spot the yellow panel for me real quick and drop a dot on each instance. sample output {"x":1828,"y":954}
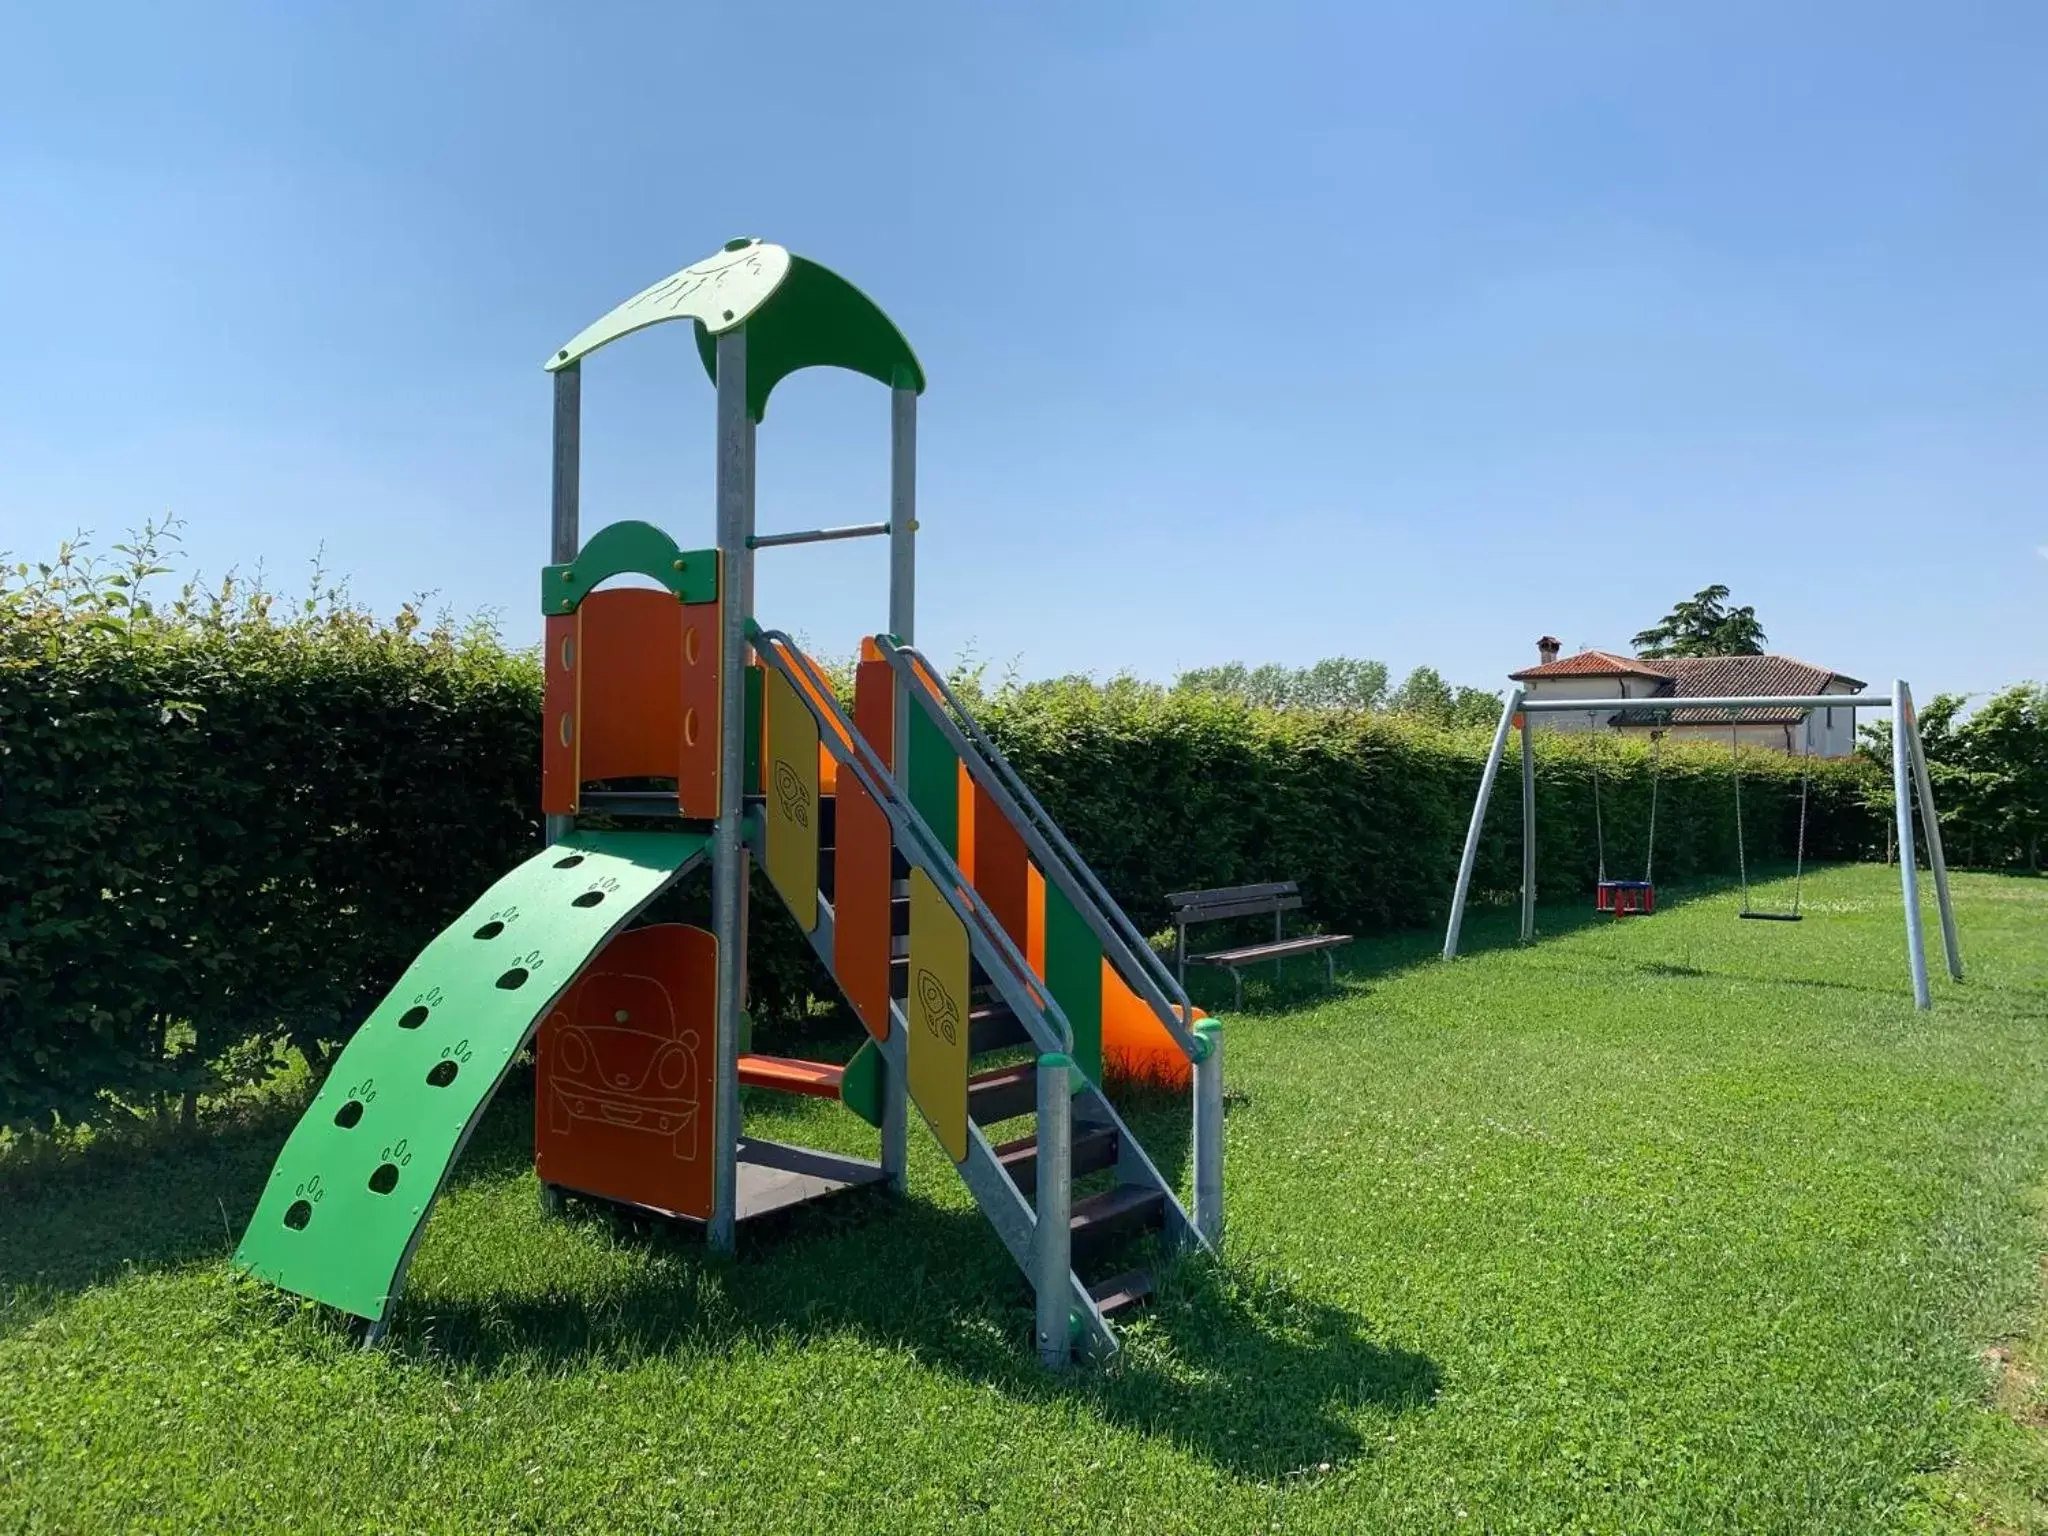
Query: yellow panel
{"x":937,"y":1011}
{"x":792,"y":795}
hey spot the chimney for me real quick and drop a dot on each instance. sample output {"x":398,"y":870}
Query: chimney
{"x":1547,"y":649}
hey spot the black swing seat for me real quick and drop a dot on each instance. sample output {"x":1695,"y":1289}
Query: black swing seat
{"x":1772,"y":917}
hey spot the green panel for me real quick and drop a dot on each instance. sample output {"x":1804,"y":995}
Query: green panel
{"x":860,"y":1090}
{"x":933,"y":777}
{"x":722,"y":291}
{"x":633,"y":548}
{"x":1073,"y":973}
{"x":405,"y":1093}
{"x":815,"y":319}
{"x":750,"y":753}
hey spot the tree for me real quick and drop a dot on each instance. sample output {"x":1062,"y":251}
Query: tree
{"x":1425,"y":694}
{"x":1335,"y":682}
{"x":1989,"y":773}
{"x":1703,"y":625}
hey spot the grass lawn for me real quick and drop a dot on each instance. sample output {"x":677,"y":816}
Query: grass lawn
{"x":1682,"y":1225}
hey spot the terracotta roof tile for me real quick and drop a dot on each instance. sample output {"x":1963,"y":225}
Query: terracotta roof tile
{"x":1710,"y":677}
{"x":1594,"y":664}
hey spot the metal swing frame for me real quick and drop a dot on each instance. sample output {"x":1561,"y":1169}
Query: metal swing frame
{"x":1909,"y":775}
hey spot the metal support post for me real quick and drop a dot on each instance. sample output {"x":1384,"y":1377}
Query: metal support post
{"x":1909,"y":873}
{"x":1907,"y":719}
{"x":1470,"y":857}
{"x":728,"y":862}
{"x":1209,"y":1134}
{"x":564,"y":501}
{"x":1052,"y":1242}
{"x":1528,"y":832}
{"x":903,"y":625}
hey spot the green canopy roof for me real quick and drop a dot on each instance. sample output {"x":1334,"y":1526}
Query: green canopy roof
{"x":797,"y":314}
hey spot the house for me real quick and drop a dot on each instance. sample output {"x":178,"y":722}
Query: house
{"x":1607,"y":675}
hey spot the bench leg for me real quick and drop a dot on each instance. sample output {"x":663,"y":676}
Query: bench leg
{"x":1330,"y":966}
{"x":1237,"y":981}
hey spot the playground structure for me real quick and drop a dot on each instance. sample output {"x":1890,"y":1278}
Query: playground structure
{"x":1909,"y":774}
{"x":952,"y":913}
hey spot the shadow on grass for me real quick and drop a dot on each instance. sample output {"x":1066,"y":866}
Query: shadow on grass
{"x":1244,"y":1371}
{"x":1247,"y":1373}
{"x":160,"y":1201}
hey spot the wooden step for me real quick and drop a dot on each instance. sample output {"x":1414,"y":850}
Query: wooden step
{"x":1003,"y":1094}
{"x":1095,"y":1148}
{"x":994,"y":1027}
{"x":788,"y":1074}
{"x":1101,"y":1219}
{"x":1121,"y":1292}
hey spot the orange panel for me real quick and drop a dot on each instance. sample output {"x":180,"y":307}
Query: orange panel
{"x":623,"y":1100}
{"x":789,"y":1074}
{"x":874,"y":708}
{"x":1135,"y":1045}
{"x":812,"y":679}
{"x":1034,"y":916}
{"x":630,"y":663}
{"x":558,"y":726}
{"x":860,"y":931}
{"x":999,"y":869}
{"x":963,"y":823}
{"x":697,"y":770}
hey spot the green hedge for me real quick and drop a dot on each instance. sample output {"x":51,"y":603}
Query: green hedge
{"x":220,"y":830}
{"x":1166,"y":791}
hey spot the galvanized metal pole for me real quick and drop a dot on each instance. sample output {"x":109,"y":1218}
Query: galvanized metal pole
{"x":820,"y":535}
{"x":1528,"y":832}
{"x":1909,"y":873}
{"x":1470,"y":857}
{"x":1052,"y":1242}
{"x":728,"y":865}
{"x":903,"y":625}
{"x":1209,"y":1133}
{"x":564,"y":501}
{"x":1904,"y":715}
{"x":1745,"y":701}
{"x":903,"y":515}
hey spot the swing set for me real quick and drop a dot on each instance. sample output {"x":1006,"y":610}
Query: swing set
{"x":1627,"y":898}
{"x":1638,"y":898}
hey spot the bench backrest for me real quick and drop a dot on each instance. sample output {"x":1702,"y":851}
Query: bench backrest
{"x":1234,"y":901}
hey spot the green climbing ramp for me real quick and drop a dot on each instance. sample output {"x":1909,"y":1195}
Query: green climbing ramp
{"x":352,"y":1188}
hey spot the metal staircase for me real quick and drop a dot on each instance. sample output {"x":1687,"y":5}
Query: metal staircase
{"x":1074,"y":1251}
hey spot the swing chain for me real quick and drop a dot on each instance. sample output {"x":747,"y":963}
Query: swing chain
{"x":1656,"y":760}
{"x":1735,"y":772}
{"x":1805,"y":780}
{"x":1599,"y":831}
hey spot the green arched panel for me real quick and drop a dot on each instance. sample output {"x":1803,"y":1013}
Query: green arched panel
{"x":639,"y":548}
{"x":816,"y":319}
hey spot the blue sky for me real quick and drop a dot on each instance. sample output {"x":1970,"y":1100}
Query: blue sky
{"x":1263,"y":333}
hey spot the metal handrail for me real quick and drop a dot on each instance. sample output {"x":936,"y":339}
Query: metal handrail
{"x":1060,"y":860}
{"x":852,"y":750}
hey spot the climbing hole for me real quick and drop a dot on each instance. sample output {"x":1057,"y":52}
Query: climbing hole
{"x":513,"y":979}
{"x":443,"y":1074}
{"x":491,"y":929}
{"x":588,"y":899}
{"x":570,"y":862}
{"x":413,"y":1017}
{"x":297,"y":1214}
{"x":385,"y":1179}
{"x":349,"y":1114}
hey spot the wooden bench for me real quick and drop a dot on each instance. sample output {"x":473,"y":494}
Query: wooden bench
{"x":1279,"y":897}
